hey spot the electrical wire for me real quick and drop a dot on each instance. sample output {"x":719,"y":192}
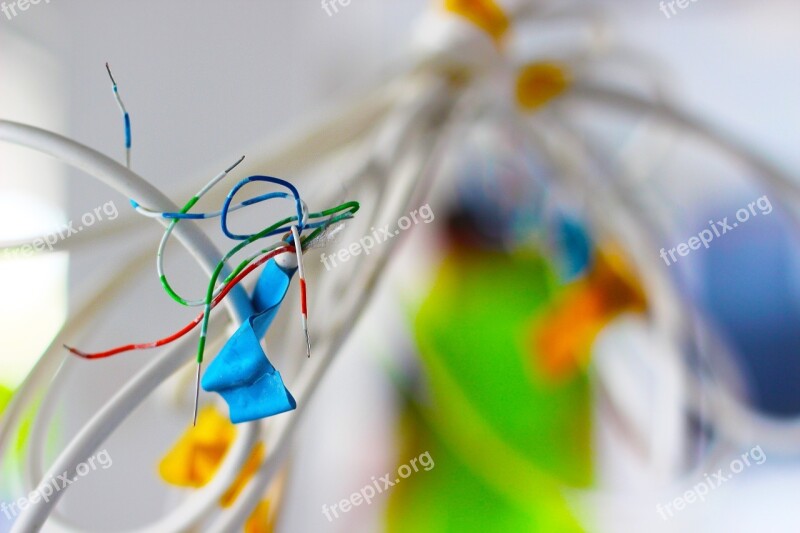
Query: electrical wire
{"x":125,"y":117}
{"x":266,"y":179}
{"x":383,"y":163}
{"x":303,"y":297}
{"x":247,"y":241}
{"x":98,"y":429}
{"x":191,"y":325}
{"x":269,"y":254}
{"x":113,"y":414}
{"x":130,"y":185}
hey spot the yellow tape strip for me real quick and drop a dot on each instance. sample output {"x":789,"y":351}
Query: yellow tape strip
{"x":485,"y":14}
{"x":539,"y":83}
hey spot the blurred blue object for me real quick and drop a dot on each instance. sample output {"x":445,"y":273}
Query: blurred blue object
{"x":749,"y":285}
{"x":572,"y":244}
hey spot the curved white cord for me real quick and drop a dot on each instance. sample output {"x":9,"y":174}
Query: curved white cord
{"x":99,"y":428}
{"x":111,"y":415}
{"x":405,"y":181}
{"x":46,"y":366}
{"x":281,"y":428}
{"x":737,"y":421}
{"x":286,"y":156}
{"x":131,"y":186}
{"x":773,"y":176}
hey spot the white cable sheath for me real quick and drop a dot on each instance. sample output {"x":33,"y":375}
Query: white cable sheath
{"x":284,"y":156}
{"x":98,"y":429}
{"x":44,"y":369}
{"x":130,"y":185}
{"x":771,"y":175}
{"x":736,"y":421}
{"x":432,"y":100}
{"x":395,"y":167}
{"x":105,"y":421}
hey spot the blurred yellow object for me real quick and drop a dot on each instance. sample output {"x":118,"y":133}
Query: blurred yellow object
{"x":539,"y":83}
{"x":259,"y":521}
{"x":196,"y":457}
{"x":485,"y":14}
{"x":248,"y":471}
{"x":563,"y":339}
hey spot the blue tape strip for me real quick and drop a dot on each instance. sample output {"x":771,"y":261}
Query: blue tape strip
{"x":242,"y":373}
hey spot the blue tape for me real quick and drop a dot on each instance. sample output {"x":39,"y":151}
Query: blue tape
{"x":242,"y":373}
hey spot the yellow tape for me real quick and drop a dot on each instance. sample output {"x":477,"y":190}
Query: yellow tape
{"x":485,"y":14}
{"x":563,"y":339}
{"x":195,"y":458}
{"x":248,"y":471}
{"x":539,"y":83}
{"x":259,"y":521}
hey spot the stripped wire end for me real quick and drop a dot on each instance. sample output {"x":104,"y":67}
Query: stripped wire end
{"x":75,"y":351}
{"x":303,"y":298}
{"x":197,"y":393}
{"x":125,"y":117}
{"x":305,"y":329}
{"x":110,"y":75}
{"x":234,"y":165}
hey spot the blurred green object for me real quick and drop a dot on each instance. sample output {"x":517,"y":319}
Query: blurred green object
{"x":506,"y":440}
{"x":5,"y":397}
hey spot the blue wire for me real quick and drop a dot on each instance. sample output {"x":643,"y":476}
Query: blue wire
{"x":268,"y":179}
{"x":201,"y":216}
{"x":126,"y":116}
{"x":251,"y":201}
{"x":255,"y":200}
{"x":127,"y":130}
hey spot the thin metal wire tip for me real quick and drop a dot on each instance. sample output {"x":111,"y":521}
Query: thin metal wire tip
{"x":234,"y":165}
{"x":110,"y":75}
{"x":74,"y":351}
{"x":197,"y":394}
{"x":308,"y":345}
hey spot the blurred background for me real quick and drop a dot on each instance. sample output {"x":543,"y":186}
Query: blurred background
{"x":530,"y":339}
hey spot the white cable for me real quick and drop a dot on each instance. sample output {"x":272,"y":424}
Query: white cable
{"x":286,"y":155}
{"x":131,"y":186}
{"x":399,"y":152}
{"x":114,"y":412}
{"x":44,"y":369}
{"x":77,"y":450}
{"x":737,"y":421}
{"x":405,"y":180}
{"x":190,"y":511}
{"x":776,"y":179}
{"x":99,"y":428}
{"x":111,"y":415}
